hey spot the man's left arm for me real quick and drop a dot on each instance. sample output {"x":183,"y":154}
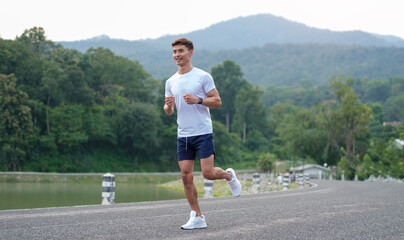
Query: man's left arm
{"x":211,"y":101}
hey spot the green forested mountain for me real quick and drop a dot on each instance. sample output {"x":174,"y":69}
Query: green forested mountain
{"x":283,"y":64}
{"x":270,"y":50}
{"x":62,"y":110}
{"x":288,"y":64}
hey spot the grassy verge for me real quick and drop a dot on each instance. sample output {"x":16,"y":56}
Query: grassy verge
{"x":220,"y":188}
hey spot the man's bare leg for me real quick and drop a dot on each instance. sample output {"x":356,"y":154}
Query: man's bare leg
{"x":212,"y":173}
{"x":187,"y":167}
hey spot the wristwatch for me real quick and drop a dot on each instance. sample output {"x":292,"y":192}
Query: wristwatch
{"x":200,"y":100}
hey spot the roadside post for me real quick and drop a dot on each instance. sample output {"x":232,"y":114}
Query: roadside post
{"x":208,"y":188}
{"x":286,"y":182}
{"x":300,"y":180}
{"x":306,"y":180}
{"x":256,"y":182}
{"x":108,"y":189}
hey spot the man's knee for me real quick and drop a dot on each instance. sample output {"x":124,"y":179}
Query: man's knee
{"x":187,"y":177}
{"x":208,"y":174}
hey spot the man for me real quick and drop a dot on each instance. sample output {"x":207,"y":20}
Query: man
{"x":193,"y":92}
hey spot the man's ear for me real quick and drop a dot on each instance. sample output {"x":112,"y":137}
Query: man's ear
{"x":191,"y":52}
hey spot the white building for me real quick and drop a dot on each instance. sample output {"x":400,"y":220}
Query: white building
{"x":399,"y":143}
{"x":314,"y":170}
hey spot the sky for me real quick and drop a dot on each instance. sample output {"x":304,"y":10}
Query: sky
{"x":71,"y":20}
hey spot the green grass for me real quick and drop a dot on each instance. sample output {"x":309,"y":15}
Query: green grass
{"x":220,"y":187}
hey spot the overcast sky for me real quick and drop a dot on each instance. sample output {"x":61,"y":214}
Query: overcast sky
{"x":69,"y":20}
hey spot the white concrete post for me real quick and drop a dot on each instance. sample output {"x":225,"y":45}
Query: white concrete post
{"x":320,"y":176}
{"x":286,"y":182}
{"x":356,"y":178}
{"x":108,"y":189}
{"x":300,"y":180}
{"x":208,"y":188}
{"x":306,"y":179}
{"x":256,"y":182}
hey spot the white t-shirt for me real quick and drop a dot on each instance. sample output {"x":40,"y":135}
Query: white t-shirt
{"x":192,"y":119}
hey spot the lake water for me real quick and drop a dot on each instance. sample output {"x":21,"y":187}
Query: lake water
{"x":40,"y":195}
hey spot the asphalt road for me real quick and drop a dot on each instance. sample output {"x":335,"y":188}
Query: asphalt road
{"x":332,"y":210}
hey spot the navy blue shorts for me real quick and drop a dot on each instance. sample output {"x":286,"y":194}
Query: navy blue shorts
{"x":187,"y":147}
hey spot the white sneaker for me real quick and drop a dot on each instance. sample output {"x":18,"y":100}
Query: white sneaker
{"x":194,"y":222}
{"x":234,"y":183}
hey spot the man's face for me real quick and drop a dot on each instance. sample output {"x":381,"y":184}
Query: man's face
{"x":181,"y":55}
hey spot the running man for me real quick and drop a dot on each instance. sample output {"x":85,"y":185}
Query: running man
{"x":193,"y":92}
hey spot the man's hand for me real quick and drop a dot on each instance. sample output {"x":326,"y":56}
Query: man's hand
{"x":191,"y":99}
{"x":170,"y":101}
{"x":169,"y":105}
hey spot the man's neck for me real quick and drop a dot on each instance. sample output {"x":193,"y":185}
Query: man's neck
{"x":185,"y":69}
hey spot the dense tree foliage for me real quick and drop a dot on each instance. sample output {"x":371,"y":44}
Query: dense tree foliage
{"x":15,"y":122}
{"x":278,"y":64}
{"x":66,"y":111}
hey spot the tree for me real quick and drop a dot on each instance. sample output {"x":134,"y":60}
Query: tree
{"x":279,"y":112}
{"x":249,"y":112}
{"x":99,"y":127}
{"x":394,"y":109}
{"x":50,"y":81}
{"x":228,"y":146}
{"x":377,"y":91}
{"x":137,"y":130}
{"x":67,"y":126}
{"x":267,"y":162}
{"x":16,"y":124}
{"x":387,"y":159}
{"x":70,"y":79}
{"x":229,"y":81}
{"x":110,"y":74}
{"x":36,"y":39}
{"x":299,"y":132}
{"x":367,"y":168}
{"x":351,"y":117}
{"x":19,"y":59}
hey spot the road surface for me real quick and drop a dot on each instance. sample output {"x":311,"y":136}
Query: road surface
{"x":331,"y":210}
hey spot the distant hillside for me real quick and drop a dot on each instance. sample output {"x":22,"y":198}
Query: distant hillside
{"x":287,"y":64}
{"x":267,"y":48}
{"x":245,"y":32}
{"x":258,"y":30}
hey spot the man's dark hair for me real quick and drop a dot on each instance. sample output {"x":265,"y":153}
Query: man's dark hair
{"x":183,"y":41}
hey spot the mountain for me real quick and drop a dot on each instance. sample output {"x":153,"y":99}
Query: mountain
{"x":288,"y":64}
{"x":246,"y":39}
{"x":251,"y":31}
{"x":395,"y":41}
{"x":258,"y":30}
